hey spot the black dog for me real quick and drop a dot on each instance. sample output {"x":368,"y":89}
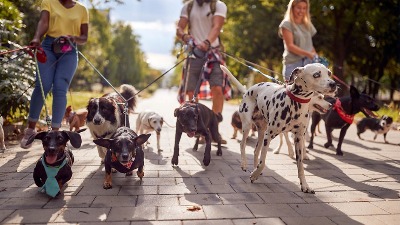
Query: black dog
{"x":341,"y":115}
{"x":124,"y":153}
{"x":196,"y":119}
{"x":56,"y":161}
{"x":378,"y":126}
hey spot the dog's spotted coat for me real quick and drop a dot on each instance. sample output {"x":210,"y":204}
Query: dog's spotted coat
{"x":269,"y":106}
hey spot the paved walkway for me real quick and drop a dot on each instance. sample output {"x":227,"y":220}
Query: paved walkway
{"x":362,"y":187}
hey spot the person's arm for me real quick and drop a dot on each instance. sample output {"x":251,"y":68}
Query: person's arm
{"x":218,"y":22}
{"x":180,"y":30}
{"x":288,"y":39}
{"x":42,"y":27}
{"x":82,"y":39}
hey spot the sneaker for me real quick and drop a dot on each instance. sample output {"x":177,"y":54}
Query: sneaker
{"x":27,"y":134}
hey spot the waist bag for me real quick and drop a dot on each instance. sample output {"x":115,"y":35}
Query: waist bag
{"x":61,"y":45}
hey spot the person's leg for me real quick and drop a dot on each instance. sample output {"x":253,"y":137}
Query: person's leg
{"x":195,"y":66}
{"x":216,"y":81}
{"x":65,"y":71}
{"x":46,"y":72}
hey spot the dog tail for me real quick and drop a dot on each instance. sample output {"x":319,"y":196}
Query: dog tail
{"x":240,"y":86}
{"x":129,"y":92}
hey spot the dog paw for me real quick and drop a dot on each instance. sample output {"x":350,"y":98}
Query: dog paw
{"x":305,"y":157}
{"x":276,"y":151}
{"x":340,"y":153}
{"x":206,"y":162}
{"x":307,"y":189}
{"x":140,"y":174}
{"x":219,"y":152}
{"x":174,"y":161}
{"x":327,"y":145}
{"x":107,"y":185}
{"x":128,"y":174}
{"x":113,"y":170}
{"x":310,"y":146}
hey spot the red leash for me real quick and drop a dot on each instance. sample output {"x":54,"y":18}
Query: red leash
{"x":342,"y":82}
{"x":31,"y":50}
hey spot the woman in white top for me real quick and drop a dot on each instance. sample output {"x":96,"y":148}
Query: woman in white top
{"x":297,"y":31}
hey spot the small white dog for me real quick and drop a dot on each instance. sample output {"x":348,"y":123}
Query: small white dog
{"x":2,"y":145}
{"x":148,"y":121}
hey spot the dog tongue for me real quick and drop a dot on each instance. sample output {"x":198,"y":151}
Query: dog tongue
{"x":50,"y":159}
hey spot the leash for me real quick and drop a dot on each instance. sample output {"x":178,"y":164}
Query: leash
{"x":125,"y":110}
{"x":255,"y":69}
{"x":48,"y":119}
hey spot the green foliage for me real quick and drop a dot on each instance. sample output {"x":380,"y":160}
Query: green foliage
{"x":16,"y":69}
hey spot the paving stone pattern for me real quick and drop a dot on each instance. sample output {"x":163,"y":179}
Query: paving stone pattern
{"x":361,"y":187}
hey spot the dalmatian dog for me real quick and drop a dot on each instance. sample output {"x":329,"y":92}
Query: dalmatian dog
{"x":277,"y":108}
{"x":317,"y":104}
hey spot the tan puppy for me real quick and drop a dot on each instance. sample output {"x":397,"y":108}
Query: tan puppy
{"x":75,"y":119}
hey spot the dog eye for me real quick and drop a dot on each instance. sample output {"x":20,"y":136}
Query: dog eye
{"x":317,"y":75}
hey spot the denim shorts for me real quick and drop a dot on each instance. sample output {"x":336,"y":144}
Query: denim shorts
{"x":288,"y":68}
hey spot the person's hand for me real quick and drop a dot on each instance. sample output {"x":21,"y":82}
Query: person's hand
{"x":204,"y":46}
{"x":186,"y":38}
{"x":35,"y":42}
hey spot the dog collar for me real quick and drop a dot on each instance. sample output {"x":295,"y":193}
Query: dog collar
{"x":297,"y":99}
{"x":346,"y":117}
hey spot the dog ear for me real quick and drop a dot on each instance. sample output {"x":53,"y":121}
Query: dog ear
{"x":354,"y":92}
{"x":294,"y":74}
{"x":74,"y":138}
{"x":39,"y":136}
{"x":104,"y":142}
{"x":141,"y":139}
{"x":162,"y":121}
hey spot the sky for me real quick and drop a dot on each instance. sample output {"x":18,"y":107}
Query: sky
{"x":154,"y":21}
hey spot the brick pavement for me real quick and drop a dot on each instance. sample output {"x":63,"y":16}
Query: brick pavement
{"x":362,"y":187}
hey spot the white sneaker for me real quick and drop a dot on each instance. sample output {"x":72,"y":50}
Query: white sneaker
{"x":27,"y":134}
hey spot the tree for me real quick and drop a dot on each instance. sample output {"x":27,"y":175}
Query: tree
{"x":127,"y":63}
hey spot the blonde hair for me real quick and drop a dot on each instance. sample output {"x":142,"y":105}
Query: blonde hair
{"x":289,"y":13}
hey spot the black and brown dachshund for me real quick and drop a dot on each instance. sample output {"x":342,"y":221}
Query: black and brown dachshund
{"x":57,"y":159}
{"x":124,"y":153}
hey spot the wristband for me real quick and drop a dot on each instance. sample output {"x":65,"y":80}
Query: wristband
{"x":207,"y":42}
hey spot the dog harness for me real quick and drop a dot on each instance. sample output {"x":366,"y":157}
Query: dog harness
{"x":51,"y":186}
{"x":346,"y":117}
{"x":114,"y":163}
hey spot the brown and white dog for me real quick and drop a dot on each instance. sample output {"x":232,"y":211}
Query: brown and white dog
{"x":106,"y":114}
{"x":75,"y":119}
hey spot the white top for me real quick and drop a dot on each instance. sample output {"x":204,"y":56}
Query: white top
{"x":200,"y":23}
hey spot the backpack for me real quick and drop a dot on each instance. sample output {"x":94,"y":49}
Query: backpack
{"x":213,"y":7}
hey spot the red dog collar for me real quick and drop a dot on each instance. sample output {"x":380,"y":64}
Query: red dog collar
{"x":297,"y":99}
{"x":346,"y":117}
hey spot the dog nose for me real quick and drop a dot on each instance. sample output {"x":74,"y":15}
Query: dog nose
{"x":159,"y":130}
{"x":96,"y":121}
{"x":332,"y":85}
{"x":125,"y":156}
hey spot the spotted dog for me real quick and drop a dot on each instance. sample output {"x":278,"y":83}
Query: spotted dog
{"x":318,"y":104}
{"x":276,"y":108}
